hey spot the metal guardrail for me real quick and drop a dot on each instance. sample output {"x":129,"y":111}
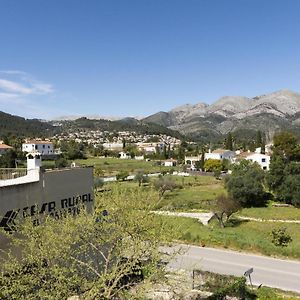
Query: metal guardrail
{"x":12,"y":173}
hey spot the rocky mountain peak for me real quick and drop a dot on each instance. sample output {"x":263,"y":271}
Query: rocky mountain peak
{"x":269,"y":112}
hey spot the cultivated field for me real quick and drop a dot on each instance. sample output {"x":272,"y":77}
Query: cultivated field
{"x":196,"y":193}
{"x":112,"y":166}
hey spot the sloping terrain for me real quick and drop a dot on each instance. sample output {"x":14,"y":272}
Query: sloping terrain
{"x":15,"y":125}
{"x":269,"y":113}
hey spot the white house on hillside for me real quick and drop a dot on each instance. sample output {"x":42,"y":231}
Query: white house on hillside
{"x":43,"y":147}
{"x":262,"y":159}
{"x":124,"y":155}
{"x":170,"y":163}
{"x":192,"y":160}
{"x":220,"y":154}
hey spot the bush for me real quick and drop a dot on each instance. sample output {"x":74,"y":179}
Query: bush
{"x":245,"y":184}
{"x":98,"y":182}
{"x":122,"y":175}
{"x":280,"y":237}
{"x":61,"y":163}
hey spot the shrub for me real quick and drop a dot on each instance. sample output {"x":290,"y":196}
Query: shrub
{"x":280,"y":237}
{"x":122,"y":175}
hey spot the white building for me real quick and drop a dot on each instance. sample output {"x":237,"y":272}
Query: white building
{"x":262,"y":159}
{"x":192,"y":160}
{"x":170,"y":163}
{"x":140,"y":157}
{"x":124,"y":155}
{"x":33,"y":192}
{"x":43,"y":147}
{"x":147,"y":147}
{"x":220,"y":154}
{"x":113,"y":146}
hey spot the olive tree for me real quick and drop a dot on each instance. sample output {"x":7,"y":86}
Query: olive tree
{"x":98,"y":255}
{"x":224,"y":208}
{"x":164,"y":184}
{"x":245,"y":184}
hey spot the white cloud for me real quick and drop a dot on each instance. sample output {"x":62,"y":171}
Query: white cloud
{"x":14,"y":87}
{"x":21,"y":93}
{"x":23,"y":84}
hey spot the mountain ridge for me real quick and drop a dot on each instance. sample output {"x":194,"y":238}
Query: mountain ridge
{"x":279,"y":110}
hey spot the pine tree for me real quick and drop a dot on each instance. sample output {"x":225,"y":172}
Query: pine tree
{"x":229,"y":142}
{"x":258,"y":139}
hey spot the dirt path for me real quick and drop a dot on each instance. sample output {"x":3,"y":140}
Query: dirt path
{"x":268,"y":220}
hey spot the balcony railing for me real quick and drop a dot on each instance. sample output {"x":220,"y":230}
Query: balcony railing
{"x":10,"y":173}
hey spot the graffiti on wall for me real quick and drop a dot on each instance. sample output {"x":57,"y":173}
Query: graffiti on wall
{"x":70,"y":205}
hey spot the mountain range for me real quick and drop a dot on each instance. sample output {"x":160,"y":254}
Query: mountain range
{"x":269,"y":113}
{"x":240,"y":115}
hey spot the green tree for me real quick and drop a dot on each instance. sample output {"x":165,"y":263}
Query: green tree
{"x":72,"y":150}
{"x":259,"y":139}
{"x":95,"y":256}
{"x":275,"y":176}
{"x":212,"y":165}
{"x":8,"y":159}
{"x":224,"y":208}
{"x":141,"y":177}
{"x":245,"y":184}
{"x":164,"y":184}
{"x":122,"y":175}
{"x":229,"y":142}
{"x":61,"y":162}
{"x":202,"y":158}
{"x":283,"y":177}
{"x":289,"y":191}
{"x":285,"y":144}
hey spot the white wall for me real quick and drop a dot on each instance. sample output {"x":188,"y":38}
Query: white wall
{"x":44,"y":149}
{"x":223,"y":155}
{"x":262,"y":159}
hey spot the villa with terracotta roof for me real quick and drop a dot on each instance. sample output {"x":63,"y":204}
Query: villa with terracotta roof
{"x":4,"y":148}
{"x":262,"y":159}
{"x":42,"y":147}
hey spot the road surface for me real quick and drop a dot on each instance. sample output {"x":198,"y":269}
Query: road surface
{"x":278,"y":273}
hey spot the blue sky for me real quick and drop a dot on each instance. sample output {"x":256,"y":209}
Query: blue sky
{"x":137,"y":57}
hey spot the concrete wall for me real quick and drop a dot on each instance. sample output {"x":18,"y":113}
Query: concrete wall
{"x":56,"y":190}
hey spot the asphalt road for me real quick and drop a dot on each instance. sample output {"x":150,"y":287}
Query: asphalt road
{"x":272,"y":272}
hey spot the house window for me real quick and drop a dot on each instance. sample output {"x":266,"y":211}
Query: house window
{"x":263,"y":160}
{"x":264,"y":168}
{"x":43,"y":146}
{"x":35,"y":147}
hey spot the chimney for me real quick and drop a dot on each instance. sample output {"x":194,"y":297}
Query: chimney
{"x":34,"y":161}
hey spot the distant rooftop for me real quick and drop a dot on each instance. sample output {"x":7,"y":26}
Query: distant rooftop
{"x":37,"y":142}
{"x":220,"y":150}
{"x":4,"y":146}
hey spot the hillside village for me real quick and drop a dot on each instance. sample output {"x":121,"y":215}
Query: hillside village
{"x":150,"y":150}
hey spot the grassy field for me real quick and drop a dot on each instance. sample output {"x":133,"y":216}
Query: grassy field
{"x":272,"y":213}
{"x":239,"y":235}
{"x":196,"y":193}
{"x":111,"y":166}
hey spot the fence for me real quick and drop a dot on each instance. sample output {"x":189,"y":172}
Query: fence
{"x":11,"y":173}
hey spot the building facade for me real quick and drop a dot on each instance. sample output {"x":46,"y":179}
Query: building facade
{"x":41,"y":192}
{"x":220,"y":154}
{"x":42,"y":147}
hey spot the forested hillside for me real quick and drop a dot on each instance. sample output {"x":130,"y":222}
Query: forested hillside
{"x":15,"y":125}
{"x":127,"y":124}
